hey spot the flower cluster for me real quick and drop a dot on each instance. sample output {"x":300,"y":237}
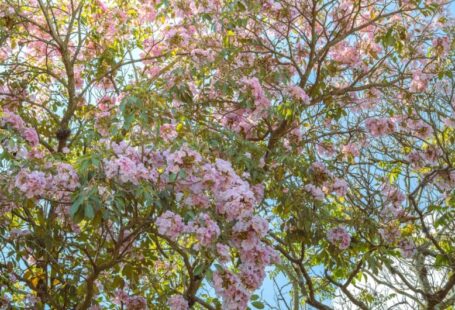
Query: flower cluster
{"x":234,"y":293}
{"x":214,"y":190}
{"x":378,"y":127}
{"x":58,"y":182}
{"x":170,"y":224}
{"x":393,"y":200}
{"x":298,"y":93}
{"x":177,"y":302}
{"x":31,"y":183}
{"x":28,"y":134}
{"x":339,"y":237}
{"x":315,"y":192}
{"x":419,"y":82}
{"x":390,"y":233}
{"x":407,"y":248}
{"x":130,"y":302}
{"x":128,"y":165}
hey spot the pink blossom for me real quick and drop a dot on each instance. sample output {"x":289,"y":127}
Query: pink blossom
{"x":168,"y":132}
{"x":340,"y":187}
{"x":407,"y":248}
{"x":325,"y":149}
{"x":125,"y":169}
{"x":350,"y":149}
{"x":31,"y":136}
{"x":446,"y":180}
{"x":136,"y":303}
{"x":33,"y":184}
{"x":257,"y":92}
{"x":393,"y":195}
{"x":315,"y":191}
{"x":380,"y":126}
{"x":223,"y":252}
{"x":170,"y":225}
{"x":227,"y":285}
{"x":178,"y":302}
{"x":431,"y":154}
{"x":392,"y":211}
{"x":390,"y":233}
{"x":345,"y":54}
{"x":206,"y":230}
{"x":419,"y":82}
{"x":319,"y":171}
{"x":421,"y":129}
{"x":299,"y":93}
{"x":121,"y":297}
{"x":14,"y":120}
{"x":441,"y":46}
{"x":416,"y":159}
{"x":66,"y":177}
{"x":339,"y":236}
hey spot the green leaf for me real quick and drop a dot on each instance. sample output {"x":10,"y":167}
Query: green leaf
{"x":198,"y":270}
{"x":76,"y":204}
{"x":258,"y":305}
{"x":89,"y":212}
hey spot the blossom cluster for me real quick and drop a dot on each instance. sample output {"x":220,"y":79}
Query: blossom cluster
{"x":222,"y":204}
{"x":378,"y":127}
{"x":323,"y":183}
{"x":131,"y":302}
{"x":339,"y":237}
{"x":178,"y":302}
{"x":29,"y":134}
{"x":216,"y":191}
{"x":58,"y":182}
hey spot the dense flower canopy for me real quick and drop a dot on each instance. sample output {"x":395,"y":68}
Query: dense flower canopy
{"x":162,"y":154}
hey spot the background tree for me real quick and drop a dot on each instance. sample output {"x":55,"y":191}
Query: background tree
{"x":162,"y":154}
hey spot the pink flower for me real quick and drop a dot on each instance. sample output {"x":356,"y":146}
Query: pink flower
{"x":66,"y":177}
{"x":258,"y":93}
{"x":390,"y":233}
{"x":178,"y":302}
{"x":170,"y":225}
{"x":339,"y":236}
{"x":325,"y":149}
{"x":125,"y":169}
{"x":121,"y":297}
{"x":431,"y":154}
{"x":136,"y":303}
{"x":350,"y":149}
{"x":31,"y":136}
{"x":446,"y":180}
{"x":441,"y":46}
{"x":14,"y":120}
{"x":299,"y":93}
{"x":416,"y":159}
{"x":315,"y":191}
{"x":380,"y":126}
{"x":419,"y":82}
{"x":168,"y":132}
{"x":227,"y":285}
{"x":407,"y":248}
{"x":421,"y":129}
{"x":340,"y":187}
{"x":345,"y":54}
{"x":206,"y":230}
{"x":393,"y":195}
{"x":223,"y":252}
{"x":33,"y":184}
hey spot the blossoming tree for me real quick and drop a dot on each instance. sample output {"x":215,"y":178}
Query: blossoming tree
{"x":161,"y":154}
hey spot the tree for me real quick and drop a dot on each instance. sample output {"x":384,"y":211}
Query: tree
{"x":162,"y":154}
